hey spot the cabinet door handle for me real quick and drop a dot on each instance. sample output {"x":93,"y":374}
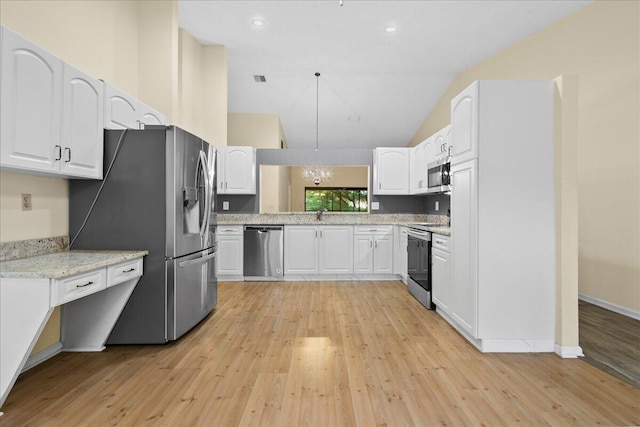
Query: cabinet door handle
{"x":67,"y":151}
{"x":375,"y":244}
{"x":321,"y":234}
{"x":86,"y":284}
{"x":379,"y":186}
{"x":370,"y":244}
{"x":59,"y":154}
{"x":316,"y":234}
{"x":129,"y":270}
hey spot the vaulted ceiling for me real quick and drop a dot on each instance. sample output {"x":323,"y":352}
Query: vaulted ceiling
{"x":376,"y":86}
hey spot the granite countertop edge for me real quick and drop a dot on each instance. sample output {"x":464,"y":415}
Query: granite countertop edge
{"x":58,"y":265}
{"x":309,"y":218}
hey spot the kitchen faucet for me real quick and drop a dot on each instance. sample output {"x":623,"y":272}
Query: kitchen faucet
{"x":319,"y":213}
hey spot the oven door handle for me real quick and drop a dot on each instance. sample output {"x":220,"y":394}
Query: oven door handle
{"x":422,"y":235}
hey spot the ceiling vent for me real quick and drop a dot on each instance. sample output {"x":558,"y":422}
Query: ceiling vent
{"x":260,"y":79}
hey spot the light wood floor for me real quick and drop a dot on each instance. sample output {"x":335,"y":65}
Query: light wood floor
{"x":318,"y":354}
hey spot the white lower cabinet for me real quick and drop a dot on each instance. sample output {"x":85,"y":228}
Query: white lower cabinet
{"x":373,"y":249}
{"x":326,"y":249}
{"x":400,"y":237}
{"x":229,"y":259}
{"x":440,"y":271}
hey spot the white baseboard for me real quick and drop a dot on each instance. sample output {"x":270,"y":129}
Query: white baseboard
{"x":569,"y":351}
{"x":41,"y":356}
{"x":610,"y":306}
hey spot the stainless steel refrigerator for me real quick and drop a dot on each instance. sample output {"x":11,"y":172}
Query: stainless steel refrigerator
{"x":158,"y":194}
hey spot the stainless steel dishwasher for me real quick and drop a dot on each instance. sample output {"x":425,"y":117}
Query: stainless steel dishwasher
{"x":263,"y":252}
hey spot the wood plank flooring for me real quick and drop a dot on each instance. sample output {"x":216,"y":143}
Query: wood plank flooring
{"x":317,"y":354}
{"x":610,"y":341}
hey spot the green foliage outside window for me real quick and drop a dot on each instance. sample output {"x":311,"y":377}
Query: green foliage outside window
{"x":336,"y":199}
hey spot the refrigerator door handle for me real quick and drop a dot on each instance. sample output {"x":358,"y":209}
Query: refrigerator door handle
{"x":197,"y":260}
{"x":207,"y":196}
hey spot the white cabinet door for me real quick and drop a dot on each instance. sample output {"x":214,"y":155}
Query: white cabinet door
{"x":464,"y":245}
{"x":441,"y":143}
{"x":440,"y":278}
{"x":236,"y":170}
{"x":418,"y":168}
{"x":383,"y":254}
{"x":31,"y":105}
{"x":82,"y":124}
{"x":230,"y":256}
{"x":363,"y":253}
{"x":391,"y":171}
{"x":300,"y":249}
{"x":149,"y":116}
{"x":336,"y":249}
{"x":121,"y":109}
{"x":464,"y":125}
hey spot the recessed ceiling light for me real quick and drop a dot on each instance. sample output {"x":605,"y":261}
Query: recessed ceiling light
{"x":258,"y":22}
{"x":390,"y":29}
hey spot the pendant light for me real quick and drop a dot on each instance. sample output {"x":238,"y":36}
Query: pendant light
{"x":316,"y":174}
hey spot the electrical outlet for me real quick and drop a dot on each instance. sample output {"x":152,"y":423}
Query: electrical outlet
{"x":225,"y":205}
{"x":437,"y":205}
{"x":375,"y":206}
{"x":26,"y":202}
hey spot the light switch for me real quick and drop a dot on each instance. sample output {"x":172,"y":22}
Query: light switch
{"x":437,"y":205}
{"x":225,"y":205}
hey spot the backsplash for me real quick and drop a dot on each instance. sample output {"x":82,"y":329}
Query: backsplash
{"x":33,"y":247}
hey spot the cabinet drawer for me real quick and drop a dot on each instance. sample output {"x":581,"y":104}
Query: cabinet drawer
{"x":124,"y":271}
{"x":440,"y":241}
{"x":229,"y":230}
{"x":373,"y":229}
{"x":78,"y":286}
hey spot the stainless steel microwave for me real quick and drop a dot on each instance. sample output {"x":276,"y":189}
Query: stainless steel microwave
{"x":438,"y":178}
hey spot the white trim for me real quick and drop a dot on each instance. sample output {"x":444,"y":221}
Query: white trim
{"x":569,"y":351}
{"x":41,"y":356}
{"x":230,"y":278}
{"x":610,"y":306}
{"x":84,"y":349}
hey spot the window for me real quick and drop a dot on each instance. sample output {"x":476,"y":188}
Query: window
{"x":336,"y":199}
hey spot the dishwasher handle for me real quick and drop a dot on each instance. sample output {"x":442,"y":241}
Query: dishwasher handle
{"x":263,"y":228}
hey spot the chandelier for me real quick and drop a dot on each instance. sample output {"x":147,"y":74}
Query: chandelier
{"x":316,"y":174}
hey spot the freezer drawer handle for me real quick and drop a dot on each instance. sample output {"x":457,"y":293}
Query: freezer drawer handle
{"x":196,"y":261}
{"x":86,"y":284}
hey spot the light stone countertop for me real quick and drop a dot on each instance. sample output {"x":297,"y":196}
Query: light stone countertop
{"x":328,"y":218}
{"x":62,"y":264}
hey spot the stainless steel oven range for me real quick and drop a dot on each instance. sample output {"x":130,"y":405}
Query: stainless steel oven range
{"x":419,"y":264}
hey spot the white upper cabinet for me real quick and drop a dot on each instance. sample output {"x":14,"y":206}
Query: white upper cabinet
{"x":123,"y":111}
{"x":441,"y":144}
{"x":418,"y":167}
{"x":82,"y":124}
{"x":236,"y":170}
{"x":464,"y":125}
{"x":31,"y":106}
{"x":52,"y":113}
{"x":391,"y":171}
